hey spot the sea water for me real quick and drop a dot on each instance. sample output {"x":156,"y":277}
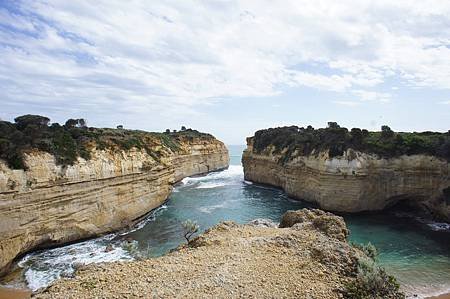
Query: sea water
{"x":417,"y":252}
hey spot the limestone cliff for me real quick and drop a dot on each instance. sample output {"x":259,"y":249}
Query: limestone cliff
{"x":50,"y":204}
{"x":354,"y":181}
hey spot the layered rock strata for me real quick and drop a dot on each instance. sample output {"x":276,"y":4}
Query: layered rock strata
{"x":355,"y":181}
{"x":50,"y":204}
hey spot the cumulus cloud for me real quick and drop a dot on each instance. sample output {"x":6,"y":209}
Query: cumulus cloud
{"x":141,"y":56}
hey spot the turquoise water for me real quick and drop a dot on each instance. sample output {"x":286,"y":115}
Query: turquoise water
{"x":409,"y":249}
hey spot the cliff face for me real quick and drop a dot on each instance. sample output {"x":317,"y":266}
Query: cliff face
{"x":355,"y":181}
{"x":51,"y":204}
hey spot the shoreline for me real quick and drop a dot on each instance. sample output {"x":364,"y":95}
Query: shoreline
{"x":441,"y":296}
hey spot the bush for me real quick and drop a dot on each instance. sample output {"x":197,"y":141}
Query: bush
{"x":372,"y":281}
{"x":369,"y":249}
{"x":289,"y":142}
{"x":74,"y":139}
{"x":189,"y":229}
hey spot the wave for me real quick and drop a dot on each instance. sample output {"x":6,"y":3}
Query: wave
{"x":210,"y":185}
{"x":439,"y":226}
{"x":44,"y":267}
{"x":231,"y":176}
{"x":210,"y":209}
{"x":232,"y":172}
{"x":150,"y":217}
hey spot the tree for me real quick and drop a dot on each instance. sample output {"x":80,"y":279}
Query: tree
{"x":365,"y":133}
{"x":120,"y":127}
{"x":82,"y":123}
{"x":183,"y":128}
{"x":357,"y":136}
{"x":71,"y":123}
{"x":167,"y":131}
{"x":29,"y":119}
{"x":333,"y":125}
{"x":189,"y":229}
{"x":386,"y":132}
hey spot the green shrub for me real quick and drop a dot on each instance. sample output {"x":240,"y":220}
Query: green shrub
{"x":291,"y":141}
{"x":369,"y":249}
{"x":73,"y":140}
{"x":371,"y":280}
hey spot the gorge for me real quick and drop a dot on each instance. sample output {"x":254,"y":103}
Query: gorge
{"x":415,"y":252}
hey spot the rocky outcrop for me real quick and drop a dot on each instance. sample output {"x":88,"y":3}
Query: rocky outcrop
{"x":354,"y":181}
{"x":234,"y":261}
{"x":50,"y":204}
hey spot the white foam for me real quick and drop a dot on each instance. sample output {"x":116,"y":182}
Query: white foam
{"x":150,"y":217}
{"x":210,"y":209}
{"x":439,"y":226}
{"x":233,"y":173}
{"x":210,"y":185}
{"x":46,"y":266}
{"x":436,"y":226}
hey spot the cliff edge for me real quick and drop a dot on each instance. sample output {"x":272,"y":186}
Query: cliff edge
{"x":349,"y":172}
{"x":50,"y":203}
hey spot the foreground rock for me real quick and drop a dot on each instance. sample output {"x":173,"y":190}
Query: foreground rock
{"x":50,"y":204}
{"x":308,"y":260}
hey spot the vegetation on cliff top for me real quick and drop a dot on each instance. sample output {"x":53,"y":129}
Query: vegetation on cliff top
{"x":335,"y":139}
{"x":74,"y":139}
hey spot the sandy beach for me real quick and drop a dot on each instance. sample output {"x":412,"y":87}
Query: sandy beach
{"x":443,"y":296}
{"x":10,"y":293}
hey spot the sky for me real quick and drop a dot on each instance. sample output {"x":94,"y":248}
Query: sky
{"x":228,"y":67}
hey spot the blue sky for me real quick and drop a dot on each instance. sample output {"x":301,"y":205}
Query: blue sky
{"x":228,"y":67}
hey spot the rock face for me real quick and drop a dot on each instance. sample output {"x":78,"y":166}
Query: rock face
{"x":50,"y":204}
{"x":232,"y":261}
{"x":355,"y":181}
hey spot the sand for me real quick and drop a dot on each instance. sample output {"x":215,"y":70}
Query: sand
{"x":10,"y":293}
{"x":443,"y":296}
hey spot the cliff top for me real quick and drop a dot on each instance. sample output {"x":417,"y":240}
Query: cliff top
{"x":335,"y":139}
{"x":75,"y":139}
{"x":309,"y":258}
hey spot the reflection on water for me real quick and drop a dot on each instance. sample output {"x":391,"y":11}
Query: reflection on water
{"x":409,"y":249}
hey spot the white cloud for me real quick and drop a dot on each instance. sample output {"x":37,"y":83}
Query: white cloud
{"x":365,"y":95}
{"x":347,"y":103}
{"x":147,"y":56}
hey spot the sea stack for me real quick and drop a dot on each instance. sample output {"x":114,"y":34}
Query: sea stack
{"x":354,"y":171}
